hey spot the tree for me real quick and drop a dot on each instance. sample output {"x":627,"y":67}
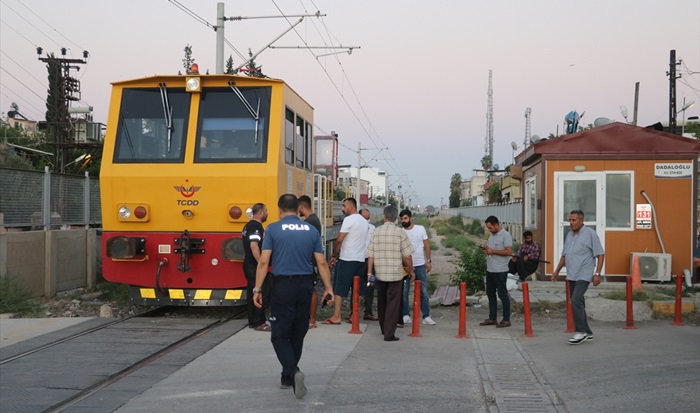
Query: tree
{"x":494,"y":193}
{"x":455,"y":190}
{"x":455,"y":181}
{"x":693,"y":128}
{"x":229,"y":66}
{"x":486,"y":162}
{"x":188,"y":60}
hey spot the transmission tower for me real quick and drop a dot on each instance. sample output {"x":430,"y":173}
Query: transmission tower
{"x":526,"y":142}
{"x":488,"y":146}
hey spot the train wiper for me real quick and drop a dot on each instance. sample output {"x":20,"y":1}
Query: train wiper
{"x":254,"y":113}
{"x":168,"y":111}
{"x":127,"y":135}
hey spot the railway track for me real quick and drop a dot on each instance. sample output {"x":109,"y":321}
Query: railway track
{"x":61,"y":374}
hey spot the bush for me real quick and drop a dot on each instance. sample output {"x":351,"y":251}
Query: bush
{"x":16,"y":298}
{"x":476,"y":228}
{"x":458,"y":242}
{"x":472,"y":269}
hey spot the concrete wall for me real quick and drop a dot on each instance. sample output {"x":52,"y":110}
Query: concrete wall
{"x":48,"y":262}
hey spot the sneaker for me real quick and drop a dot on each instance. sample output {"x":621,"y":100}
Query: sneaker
{"x":298,"y":385}
{"x":428,"y":321}
{"x":578,"y":338}
{"x":589,"y":337}
{"x":286,"y":383}
{"x":407,"y":319}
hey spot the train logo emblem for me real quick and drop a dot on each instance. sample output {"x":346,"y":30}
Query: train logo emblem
{"x":187,"y":190}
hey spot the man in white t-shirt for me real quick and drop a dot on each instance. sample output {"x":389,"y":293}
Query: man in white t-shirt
{"x":348,"y":255}
{"x":422,"y":265}
{"x":368,"y":289}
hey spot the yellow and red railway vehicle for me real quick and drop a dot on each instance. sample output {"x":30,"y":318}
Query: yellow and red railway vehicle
{"x":185,"y":158}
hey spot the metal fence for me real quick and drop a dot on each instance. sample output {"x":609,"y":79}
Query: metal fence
{"x":511,"y":213}
{"x":35,"y":200}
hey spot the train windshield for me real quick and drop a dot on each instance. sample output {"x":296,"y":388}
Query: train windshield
{"x":227,"y":132}
{"x":152,"y":126}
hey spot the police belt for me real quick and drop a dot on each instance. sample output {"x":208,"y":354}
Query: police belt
{"x":293,"y":277}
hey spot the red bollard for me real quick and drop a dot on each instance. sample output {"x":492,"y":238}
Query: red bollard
{"x":526,"y":309}
{"x":569,"y":311}
{"x":462,"y":311}
{"x":416,"y":311}
{"x":355,"y":306}
{"x":679,"y":304}
{"x":630,"y":315}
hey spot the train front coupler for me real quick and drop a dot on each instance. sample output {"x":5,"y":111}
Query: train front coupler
{"x":187,"y":246}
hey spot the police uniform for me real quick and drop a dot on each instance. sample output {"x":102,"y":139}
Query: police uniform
{"x":292,"y":242}
{"x":253,"y":232}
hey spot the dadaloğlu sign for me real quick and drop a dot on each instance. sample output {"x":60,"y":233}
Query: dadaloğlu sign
{"x":673,"y":170}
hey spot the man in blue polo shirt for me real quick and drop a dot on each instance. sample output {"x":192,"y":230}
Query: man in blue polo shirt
{"x":288,"y":244}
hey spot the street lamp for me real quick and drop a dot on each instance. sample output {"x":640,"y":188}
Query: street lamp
{"x":685,"y":107}
{"x":400,"y":197}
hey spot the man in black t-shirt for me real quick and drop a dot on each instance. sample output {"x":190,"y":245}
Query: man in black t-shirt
{"x":305,"y":211}
{"x":253,"y":234}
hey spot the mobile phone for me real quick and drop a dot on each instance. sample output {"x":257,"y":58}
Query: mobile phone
{"x":325,"y":301}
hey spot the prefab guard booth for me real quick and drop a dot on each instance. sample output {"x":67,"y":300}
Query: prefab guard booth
{"x":637,"y":188}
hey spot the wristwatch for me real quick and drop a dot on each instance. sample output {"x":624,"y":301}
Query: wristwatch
{"x":597,"y":274}
{"x":429,"y":261}
{"x":256,"y":291}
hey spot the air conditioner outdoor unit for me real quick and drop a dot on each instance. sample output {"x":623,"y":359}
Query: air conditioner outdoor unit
{"x":653,"y":266}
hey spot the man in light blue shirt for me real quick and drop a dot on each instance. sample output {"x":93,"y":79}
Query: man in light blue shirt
{"x":498,"y":250}
{"x":582,"y":255}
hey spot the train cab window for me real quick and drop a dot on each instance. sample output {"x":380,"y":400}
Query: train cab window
{"x":309,"y":149}
{"x":289,"y":137}
{"x":227,"y":132}
{"x":301,"y":142}
{"x":145,"y":134}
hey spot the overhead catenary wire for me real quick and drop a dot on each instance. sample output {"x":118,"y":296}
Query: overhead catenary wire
{"x":395,"y":168}
{"x":52,"y":28}
{"x":30,"y":23}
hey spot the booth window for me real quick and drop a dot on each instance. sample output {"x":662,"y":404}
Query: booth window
{"x":618,"y":200}
{"x":531,"y":203}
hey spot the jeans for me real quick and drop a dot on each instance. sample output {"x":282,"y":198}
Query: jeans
{"x":578,"y":305}
{"x":422,"y":276}
{"x":496,"y":281}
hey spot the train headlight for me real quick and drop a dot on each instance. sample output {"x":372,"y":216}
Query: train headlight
{"x":133,"y":212}
{"x":232,"y":249}
{"x":125,"y":247}
{"x":193,"y":84}
{"x":124,"y":212}
{"x":249,"y":212}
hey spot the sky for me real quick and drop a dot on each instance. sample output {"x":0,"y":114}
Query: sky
{"x":414,"y":91}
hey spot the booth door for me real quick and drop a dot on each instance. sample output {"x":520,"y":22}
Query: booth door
{"x":584,"y":191}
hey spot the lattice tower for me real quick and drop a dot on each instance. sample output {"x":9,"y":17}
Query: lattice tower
{"x":526,"y":142}
{"x":488,"y":146}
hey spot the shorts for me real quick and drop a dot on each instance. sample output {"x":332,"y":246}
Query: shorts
{"x":345,"y":272}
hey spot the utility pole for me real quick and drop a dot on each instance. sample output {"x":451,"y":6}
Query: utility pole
{"x":219,"y":70}
{"x":65,"y":89}
{"x":672,"y":92}
{"x":636,"y":103}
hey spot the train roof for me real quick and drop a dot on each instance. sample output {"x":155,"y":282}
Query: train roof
{"x":215,"y":77}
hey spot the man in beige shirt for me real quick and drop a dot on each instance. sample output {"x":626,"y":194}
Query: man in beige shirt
{"x":389,"y":253}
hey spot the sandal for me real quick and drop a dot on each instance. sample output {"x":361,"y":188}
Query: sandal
{"x":312,"y":325}
{"x":263,"y":327}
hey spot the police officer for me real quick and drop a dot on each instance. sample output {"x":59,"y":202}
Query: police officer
{"x":252,"y":235}
{"x":288,"y":244}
